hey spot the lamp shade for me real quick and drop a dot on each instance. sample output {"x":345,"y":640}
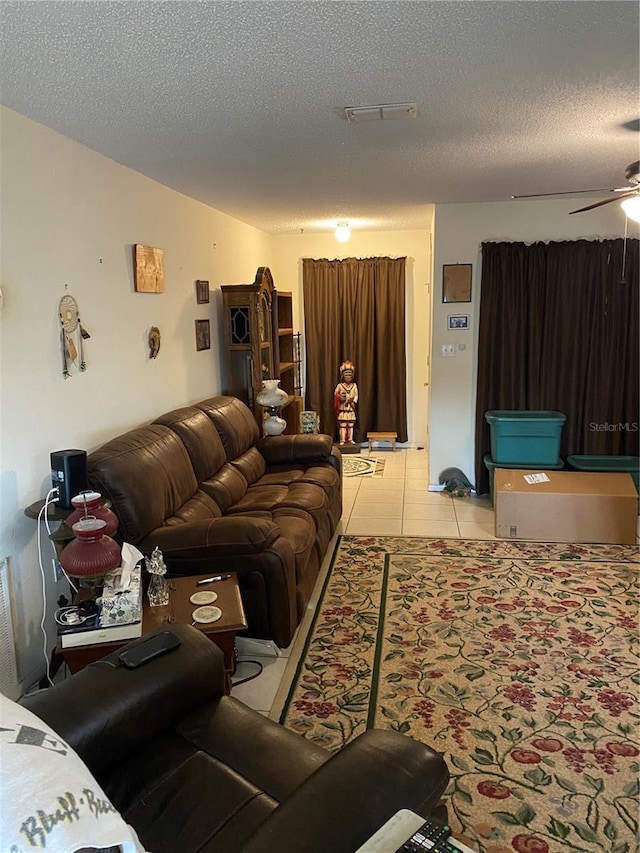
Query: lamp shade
{"x":271,"y":397}
{"x":89,"y":504}
{"x":91,"y":554}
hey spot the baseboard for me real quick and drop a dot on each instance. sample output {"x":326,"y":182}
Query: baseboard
{"x":246,"y":646}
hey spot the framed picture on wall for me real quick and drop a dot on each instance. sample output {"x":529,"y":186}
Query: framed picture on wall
{"x":202,"y":292}
{"x":148,"y":267}
{"x":203,"y":335}
{"x":456,"y":282}
{"x":458,"y":321}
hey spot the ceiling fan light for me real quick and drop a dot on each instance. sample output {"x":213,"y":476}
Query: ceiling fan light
{"x":631,"y":207}
{"x":343,"y":232}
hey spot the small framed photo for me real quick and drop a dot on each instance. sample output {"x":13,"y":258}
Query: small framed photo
{"x":458,"y":321}
{"x":203,"y":335}
{"x":202,"y":292}
{"x":456,"y":282}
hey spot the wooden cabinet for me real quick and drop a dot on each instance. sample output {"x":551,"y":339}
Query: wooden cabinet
{"x":249,"y":337}
{"x":260,"y":344}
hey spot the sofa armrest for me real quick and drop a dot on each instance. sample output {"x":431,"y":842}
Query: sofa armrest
{"x":287,"y":449}
{"x":106,"y":711}
{"x":230,"y":537}
{"x":255,"y":549}
{"x":349,"y":797}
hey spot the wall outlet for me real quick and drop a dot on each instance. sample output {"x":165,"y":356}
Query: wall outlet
{"x":58,"y":574}
{"x":448,"y":350}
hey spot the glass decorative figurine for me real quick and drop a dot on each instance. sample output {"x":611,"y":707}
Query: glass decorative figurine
{"x":158,"y":591}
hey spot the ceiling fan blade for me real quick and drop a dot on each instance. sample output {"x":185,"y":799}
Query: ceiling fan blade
{"x":574,"y":192}
{"x":606,"y":201}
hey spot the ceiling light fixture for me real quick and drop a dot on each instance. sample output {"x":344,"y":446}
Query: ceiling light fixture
{"x":343,"y":232}
{"x":380,"y":112}
{"x":631,"y":207}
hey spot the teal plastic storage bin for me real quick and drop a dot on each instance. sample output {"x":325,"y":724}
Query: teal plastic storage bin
{"x":525,"y":437}
{"x":608,"y":465}
{"x":490,"y":465}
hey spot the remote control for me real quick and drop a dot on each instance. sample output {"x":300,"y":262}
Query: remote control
{"x":432,"y":836}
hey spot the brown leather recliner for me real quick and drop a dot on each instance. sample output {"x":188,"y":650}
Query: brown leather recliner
{"x":201,"y":484}
{"x":195,"y":771}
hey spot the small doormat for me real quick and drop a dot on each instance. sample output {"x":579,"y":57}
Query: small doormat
{"x":357,"y":466}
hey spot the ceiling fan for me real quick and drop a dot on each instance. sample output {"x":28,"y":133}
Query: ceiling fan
{"x":632,"y":174}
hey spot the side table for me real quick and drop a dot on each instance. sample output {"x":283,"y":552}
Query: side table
{"x":180,"y":609}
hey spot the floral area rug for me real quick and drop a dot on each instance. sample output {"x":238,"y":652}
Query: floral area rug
{"x":358,"y":466}
{"x":517,"y":661}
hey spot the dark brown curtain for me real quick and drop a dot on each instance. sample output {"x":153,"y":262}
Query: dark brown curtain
{"x":559,"y":331}
{"x":355,"y":309}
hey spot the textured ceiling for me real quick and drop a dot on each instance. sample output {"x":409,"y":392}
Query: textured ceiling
{"x":241,"y":104}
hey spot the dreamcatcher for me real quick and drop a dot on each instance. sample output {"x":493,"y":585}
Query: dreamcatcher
{"x":71,"y":335}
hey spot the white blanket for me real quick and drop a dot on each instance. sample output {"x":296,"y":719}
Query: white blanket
{"x":50,"y":800}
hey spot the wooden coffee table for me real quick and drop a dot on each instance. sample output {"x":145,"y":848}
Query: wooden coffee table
{"x":180,"y":609}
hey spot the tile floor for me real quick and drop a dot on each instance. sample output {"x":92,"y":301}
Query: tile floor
{"x":396,"y":502}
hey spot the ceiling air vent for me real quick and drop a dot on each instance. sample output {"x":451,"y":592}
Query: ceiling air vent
{"x":380,"y":112}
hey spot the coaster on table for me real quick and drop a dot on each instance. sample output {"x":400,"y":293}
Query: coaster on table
{"x":203,"y":597}
{"x":206,"y":614}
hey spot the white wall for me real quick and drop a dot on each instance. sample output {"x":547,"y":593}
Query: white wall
{"x":288,"y":252}
{"x":70,"y":217}
{"x":459,"y":231}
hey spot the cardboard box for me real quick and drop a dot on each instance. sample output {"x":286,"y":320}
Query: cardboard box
{"x":565,"y":506}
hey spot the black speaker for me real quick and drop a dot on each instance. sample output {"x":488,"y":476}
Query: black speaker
{"x":69,"y":474}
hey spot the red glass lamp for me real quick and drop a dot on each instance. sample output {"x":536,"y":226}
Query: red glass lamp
{"x":91,"y":554}
{"x":89,"y":503}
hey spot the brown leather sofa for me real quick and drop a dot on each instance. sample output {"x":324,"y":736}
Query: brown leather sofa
{"x":195,"y":771}
{"x":201,"y":484}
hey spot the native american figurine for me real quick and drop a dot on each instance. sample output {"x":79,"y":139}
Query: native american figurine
{"x":345,"y":398}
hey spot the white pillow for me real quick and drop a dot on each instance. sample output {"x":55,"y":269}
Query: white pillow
{"x":50,"y":799}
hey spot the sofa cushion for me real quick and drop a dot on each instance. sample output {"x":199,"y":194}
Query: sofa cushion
{"x":200,"y":437}
{"x":324,"y":476}
{"x":218,"y":479}
{"x":226,"y":487}
{"x":200,"y":507}
{"x":234,"y":422}
{"x":148,"y":477}
{"x":250,"y":464}
{"x":215,"y":808}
